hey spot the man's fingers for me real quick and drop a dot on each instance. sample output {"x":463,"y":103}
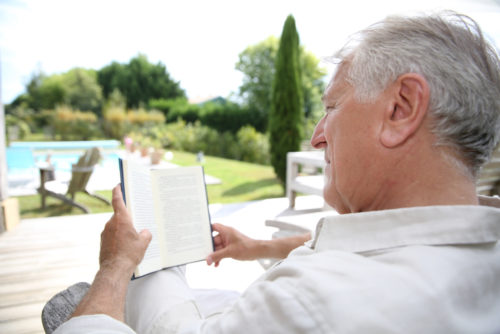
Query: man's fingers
{"x":218,"y":227}
{"x":218,"y":241}
{"x":117,"y":201}
{"x":216,"y":256}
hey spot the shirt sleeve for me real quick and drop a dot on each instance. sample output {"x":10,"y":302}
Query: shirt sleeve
{"x":90,"y":324}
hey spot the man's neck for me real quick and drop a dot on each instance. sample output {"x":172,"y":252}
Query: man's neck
{"x":438,"y":181}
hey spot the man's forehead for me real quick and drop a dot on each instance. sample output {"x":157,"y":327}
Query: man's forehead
{"x":337,"y":84}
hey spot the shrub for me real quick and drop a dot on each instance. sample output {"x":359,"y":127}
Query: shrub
{"x":253,"y":145}
{"x":247,"y":145}
{"x":229,"y":116}
{"x":187,"y":112}
{"x":165,"y":105}
{"x":221,"y":116}
{"x":115,"y":122}
{"x":16,"y":128}
{"x":143,"y":118}
{"x":193,"y":137}
{"x":74,"y":124}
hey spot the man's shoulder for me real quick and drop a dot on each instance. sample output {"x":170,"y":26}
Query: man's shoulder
{"x":401,"y":284}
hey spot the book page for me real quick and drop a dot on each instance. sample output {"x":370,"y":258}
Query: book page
{"x":182,"y":212}
{"x":139,"y":199}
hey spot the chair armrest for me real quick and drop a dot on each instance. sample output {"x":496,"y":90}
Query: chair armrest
{"x":46,"y":174}
{"x":77,"y":169}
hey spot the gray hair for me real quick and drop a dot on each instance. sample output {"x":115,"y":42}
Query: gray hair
{"x":461,"y":68}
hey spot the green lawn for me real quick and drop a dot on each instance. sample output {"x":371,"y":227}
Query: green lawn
{"x":241,"y":182}
{"x":30,"y":206}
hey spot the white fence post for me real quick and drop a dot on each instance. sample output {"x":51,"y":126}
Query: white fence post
{"x":3,"y":158}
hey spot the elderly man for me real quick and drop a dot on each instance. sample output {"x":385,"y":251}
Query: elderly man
{"x":411,"y":115}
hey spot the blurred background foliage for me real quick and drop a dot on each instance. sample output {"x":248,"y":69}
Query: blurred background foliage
{"x":141,"y":100}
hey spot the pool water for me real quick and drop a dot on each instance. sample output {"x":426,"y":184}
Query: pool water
{"x":66,"y":145}
{"x":20,"y":161}
{"x":24,"y":156}
{"x":63,"y":161}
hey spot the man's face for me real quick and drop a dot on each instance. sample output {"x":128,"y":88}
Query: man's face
{"x":347,"y":132}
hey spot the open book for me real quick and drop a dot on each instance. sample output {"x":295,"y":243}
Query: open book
{"x":172,"y":204}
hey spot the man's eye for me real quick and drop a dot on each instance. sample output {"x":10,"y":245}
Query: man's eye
{"x":330,"y":109}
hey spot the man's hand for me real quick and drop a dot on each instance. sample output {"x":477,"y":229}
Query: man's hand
{"x":230,"y":243}
{"x":122,"y":248}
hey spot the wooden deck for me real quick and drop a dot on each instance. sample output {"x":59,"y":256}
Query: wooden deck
{"x":41,"y":257}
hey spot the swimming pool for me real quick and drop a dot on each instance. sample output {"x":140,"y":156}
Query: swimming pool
{"x":22,"y":156}
{"x":21,"y":161}
{"x":66,"y":145}
{"x":63,"y":161}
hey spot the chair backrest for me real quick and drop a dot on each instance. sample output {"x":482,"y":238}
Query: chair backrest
{"x":82,"y":170}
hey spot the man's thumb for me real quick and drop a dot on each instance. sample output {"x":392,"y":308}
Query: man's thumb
{"x":145,"y":237}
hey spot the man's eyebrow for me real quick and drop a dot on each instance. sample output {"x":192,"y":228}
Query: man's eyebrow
{"x":329,"y":97}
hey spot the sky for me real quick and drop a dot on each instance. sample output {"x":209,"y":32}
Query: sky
{"x":197,"y":40}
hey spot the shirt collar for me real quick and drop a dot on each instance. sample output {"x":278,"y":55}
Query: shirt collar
{"x":432,"y":225}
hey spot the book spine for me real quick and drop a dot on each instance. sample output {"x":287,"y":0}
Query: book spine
{"x":122,"y":179}
{"x":209,"y":217}
{"x":122,"y":186}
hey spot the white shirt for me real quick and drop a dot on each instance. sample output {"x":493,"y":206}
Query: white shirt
{"x":413,"y":270}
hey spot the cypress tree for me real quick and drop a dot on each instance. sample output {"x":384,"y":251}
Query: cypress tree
{"x":286,"y":116}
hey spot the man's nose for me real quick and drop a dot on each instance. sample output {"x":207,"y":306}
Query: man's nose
{"x":318,"y":136}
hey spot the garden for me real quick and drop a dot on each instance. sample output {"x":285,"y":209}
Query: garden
{"x":244,"y":137}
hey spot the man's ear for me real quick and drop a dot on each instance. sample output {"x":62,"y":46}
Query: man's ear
{"x":409,"y":97}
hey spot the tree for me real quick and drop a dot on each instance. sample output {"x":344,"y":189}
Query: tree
{"x":77,"y":88}
{"x":82,"y":91}
{"x":139,"y":81}
{"x":116,"y":100}
{"x":285,"y":119}
{"x":312,"y":83}
{"x":45,"y":92}
{"x":110,"y":78}
{"x":257,"y":63}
